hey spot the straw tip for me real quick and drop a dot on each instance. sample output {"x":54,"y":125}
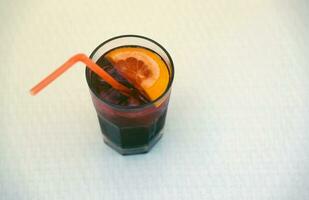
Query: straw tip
{"x":32,"y":93}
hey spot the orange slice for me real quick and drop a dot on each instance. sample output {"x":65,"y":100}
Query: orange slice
{"x":143,"y":68}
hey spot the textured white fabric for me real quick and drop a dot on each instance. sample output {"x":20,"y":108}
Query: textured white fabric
{"x":237,"y":126}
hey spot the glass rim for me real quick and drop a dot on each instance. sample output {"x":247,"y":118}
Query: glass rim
{"x":172,"y":71}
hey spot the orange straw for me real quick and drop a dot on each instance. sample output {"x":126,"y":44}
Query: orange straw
{"x":90,"y":64}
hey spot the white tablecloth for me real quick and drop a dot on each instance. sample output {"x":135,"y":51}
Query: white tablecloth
{"x":237,"y":126}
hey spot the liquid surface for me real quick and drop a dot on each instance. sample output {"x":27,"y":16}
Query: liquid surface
{"x":138,"y":68}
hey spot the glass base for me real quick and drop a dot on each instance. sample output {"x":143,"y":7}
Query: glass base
{"x":132,"y":139}
{"x":136,"y":150}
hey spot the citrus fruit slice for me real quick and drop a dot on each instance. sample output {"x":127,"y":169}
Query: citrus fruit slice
{"x":142,"y":68}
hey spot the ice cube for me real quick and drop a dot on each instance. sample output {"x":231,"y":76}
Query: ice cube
{"x":111,"y":95}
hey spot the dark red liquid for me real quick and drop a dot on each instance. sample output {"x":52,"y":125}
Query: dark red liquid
{"x":129,"y":124}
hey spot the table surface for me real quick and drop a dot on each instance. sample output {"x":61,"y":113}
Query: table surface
{"x":237,"y":126}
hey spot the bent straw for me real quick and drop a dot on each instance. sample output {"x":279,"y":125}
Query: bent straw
{"x":90,"y":64}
